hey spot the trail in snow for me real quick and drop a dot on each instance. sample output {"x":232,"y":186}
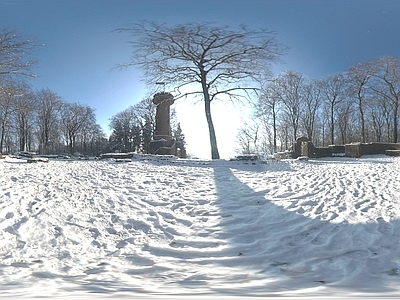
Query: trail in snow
{"x":154,"y":226}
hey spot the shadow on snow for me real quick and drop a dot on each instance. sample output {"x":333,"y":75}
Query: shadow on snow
{"x":299,"y":252}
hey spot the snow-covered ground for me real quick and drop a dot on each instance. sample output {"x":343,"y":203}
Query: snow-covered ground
{"x":155,"y":227}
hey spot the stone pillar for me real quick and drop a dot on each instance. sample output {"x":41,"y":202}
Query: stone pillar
{"x":301,"y":147}
{"x":163,"y":101}
{"x":162,"y":142}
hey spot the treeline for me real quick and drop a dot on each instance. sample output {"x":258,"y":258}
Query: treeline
{"x":39,"y":121}
{"x":43,"y":122}
{"x":358,"y":105}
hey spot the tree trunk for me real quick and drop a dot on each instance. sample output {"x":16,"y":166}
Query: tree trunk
{"x":274,"y":130}
{"x":2,"y":136}
{"x":71,"y":146}
{"x":46,"y":140}
{"x":3,"y":130}
{"x":332,"y":126}
{"x":213,"y":138}
{"x":294,"y":132}
{"x":362,"y":119}
{"x":207,"y":108}
{"x":395,"y":125}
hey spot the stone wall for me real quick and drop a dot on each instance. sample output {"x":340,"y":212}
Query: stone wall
{"x":392,"y":152}
{"x":338,"y":149}
{"x":303,"y":147}
{"x":360,"y":149}
{"x":322,"y":152}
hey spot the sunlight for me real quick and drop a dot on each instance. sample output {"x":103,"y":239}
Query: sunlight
{"x":227,"y":119}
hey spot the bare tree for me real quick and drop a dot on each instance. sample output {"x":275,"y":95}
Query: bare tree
{"x":10,"y":90}
{"x":247,"y":138}
{"x":334,"y":91}
{"x":312,"y":103}
{"x":359,"y":77}
{"x":75,"y":117}
{"x":344,"y":112}
{"x":203,"y":60}
{"x":95,"y":139}
{"x":268,"y":108}
{"x":48,"y":117}
{"x":14,"y":54}
{"x":380,"y":118}
{"x":289,"y":88}
{"x":387,"y":86}
{"x":24,"y":117}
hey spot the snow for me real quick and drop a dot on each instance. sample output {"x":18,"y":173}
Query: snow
{"x":160,"y":227}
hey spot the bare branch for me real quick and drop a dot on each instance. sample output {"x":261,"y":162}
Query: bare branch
{"x":14,"y":53}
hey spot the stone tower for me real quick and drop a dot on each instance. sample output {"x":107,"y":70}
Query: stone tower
{"x":163,"y":142}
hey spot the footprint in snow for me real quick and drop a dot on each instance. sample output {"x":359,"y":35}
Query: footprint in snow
{"x":95,"y":232}
{"x":10,"y":215}
{"x":384,"y":227}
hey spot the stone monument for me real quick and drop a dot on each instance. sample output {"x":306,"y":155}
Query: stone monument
{"x":163,"y":143}
{"x":163,"y":101}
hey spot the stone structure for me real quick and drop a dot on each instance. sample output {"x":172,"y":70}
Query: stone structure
{"x":163,"y":101}
{"x":360,"y":149}
{"x":301,"y":147}
{"x":304,"y":147}
{"x":392,"y":152}
{"x":163,"y":143}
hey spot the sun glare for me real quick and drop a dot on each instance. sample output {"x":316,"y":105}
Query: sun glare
{"x":226,"y":117}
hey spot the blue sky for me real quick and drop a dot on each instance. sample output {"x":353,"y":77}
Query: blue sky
{"x":81,"y":48}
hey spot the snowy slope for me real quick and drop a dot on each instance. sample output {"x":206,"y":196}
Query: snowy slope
{"x":158,"y":227}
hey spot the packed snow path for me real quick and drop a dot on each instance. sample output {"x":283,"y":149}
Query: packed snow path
{"x":154,"y":226}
